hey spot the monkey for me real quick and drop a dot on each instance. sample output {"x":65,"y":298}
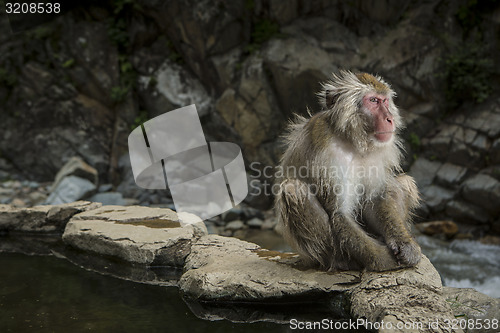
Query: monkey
{"x":352,"y":209}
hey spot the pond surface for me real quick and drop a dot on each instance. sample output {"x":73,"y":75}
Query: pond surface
{"x":48,"y":294}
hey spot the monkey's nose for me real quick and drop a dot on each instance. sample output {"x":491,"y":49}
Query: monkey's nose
{"x":389,"y":120}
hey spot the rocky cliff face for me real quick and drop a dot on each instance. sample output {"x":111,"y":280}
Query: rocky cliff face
{"x":77,"y":85}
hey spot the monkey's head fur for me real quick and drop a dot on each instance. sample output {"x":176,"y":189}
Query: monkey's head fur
{"x":347,"y":99}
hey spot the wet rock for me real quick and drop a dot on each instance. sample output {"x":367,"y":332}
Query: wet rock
{"x":436,"y":197}
{"x":232,"y":214}
{"x":105,"y":188}
{"x":214,"y":260}
{"x":109,"y":198}
{"x":402,"y":297}
{"x":483,"y":191}
{"x":178,"y":87}
{"x":297,"y":67}
{"x":424,"y":171}
{"x":229,"y":270}
{"x":255,"y":223}
{"x":69,"y":189}
{"x":142,"y":235}
{"x":41,"y":218}
{"x":235,"y":225}
{"x":465,"y":212}
{"x":469,"y":304}
{"x":450,"y":175}
{"x":447,"y":228}
{"x":76,"y":167}
{"x":495,"y":151}
{"x":494,"y":240}
{"x":269,"y":223}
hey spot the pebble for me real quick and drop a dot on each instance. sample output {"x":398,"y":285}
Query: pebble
{"x":255,"y":222}
{"x":235,"y":225}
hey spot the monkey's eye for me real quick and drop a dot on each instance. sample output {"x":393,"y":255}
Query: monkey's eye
{"x":374,"y":99}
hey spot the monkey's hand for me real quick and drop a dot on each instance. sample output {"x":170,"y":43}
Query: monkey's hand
{"x":407,"y":253}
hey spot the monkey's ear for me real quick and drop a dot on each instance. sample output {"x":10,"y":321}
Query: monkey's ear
{"x":330,"y":98}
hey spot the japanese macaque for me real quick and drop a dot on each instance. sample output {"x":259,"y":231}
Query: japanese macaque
{"x":344,"y":203}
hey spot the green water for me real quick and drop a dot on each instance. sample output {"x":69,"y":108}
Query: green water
{"x":47,"y":294}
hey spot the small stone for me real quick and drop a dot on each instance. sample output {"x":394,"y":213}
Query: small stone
{"x":448,"y":228}
{"x":494,"y":240}
{"x":269,"y":223}
{"x":232,"y":214}
{"x":249,"y":213}
{"x":255,"y":222}
{"x":466,"y":213}
{"x":483,"y":191}
{"x":78,"y":168}
{"x":212,"y":228}
{"x":450,"y":175}
{"x":16,"y":202}
{"x":235,"y":225}
{"x":37,"y":197}
{"x":105,"y":188}
{"x":424,"y":171}
{"x":436,"y":197}
{"x":108,"y":198}
{"x":69,"y":189}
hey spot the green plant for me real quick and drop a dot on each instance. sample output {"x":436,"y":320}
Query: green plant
{"x":117,"y":31}
{"x":173,"y":55}
{"x":414,"y":141}
{"x":7,"y":78}
{"x":68,"y":63}
{"x":118,"y":93}
{"x":153,"y":81}
{"x":263,"y":31}
{"x":467,"y":73}
{"x":141,"y":118}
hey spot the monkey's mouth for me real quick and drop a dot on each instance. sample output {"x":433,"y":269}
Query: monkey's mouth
{"x":383,"y":136}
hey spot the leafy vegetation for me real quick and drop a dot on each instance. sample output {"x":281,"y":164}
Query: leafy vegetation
{"x":141,"y":118}
{"x":467,"y":73}
{"x":68,"y":63}
{"x":263,"y":30}
{"x":414,"y":141}
{"x":7,"y":78}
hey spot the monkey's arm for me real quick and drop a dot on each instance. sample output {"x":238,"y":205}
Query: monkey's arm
{"x":392,"y":213}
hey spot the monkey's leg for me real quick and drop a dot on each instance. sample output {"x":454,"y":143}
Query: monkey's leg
{"x":337,"y":244}
{"x":392,"y":213}
{"x":305,"y":223}
{"x":357,"y":249}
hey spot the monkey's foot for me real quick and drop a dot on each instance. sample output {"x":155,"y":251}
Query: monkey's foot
{"x":407,"y":253}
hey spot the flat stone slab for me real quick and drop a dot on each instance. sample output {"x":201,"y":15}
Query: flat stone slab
{"x":45,"y":218}
{"x":224,"y":268}
{"x":141,"y":235}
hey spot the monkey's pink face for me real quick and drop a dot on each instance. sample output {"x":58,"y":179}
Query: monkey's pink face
{"x":383,"y":121}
